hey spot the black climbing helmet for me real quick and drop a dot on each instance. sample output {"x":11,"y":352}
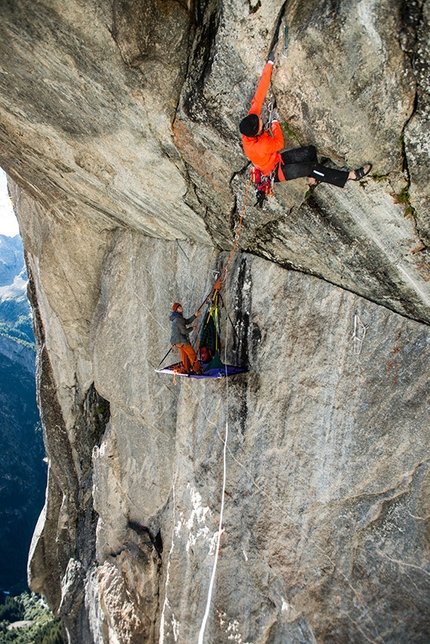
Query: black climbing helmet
{"x":250,"y":125}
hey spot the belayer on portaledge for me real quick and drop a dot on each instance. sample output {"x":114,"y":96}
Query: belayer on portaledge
{"x":208,"y":364}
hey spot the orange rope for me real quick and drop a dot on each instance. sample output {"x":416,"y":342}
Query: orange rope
{"x":236,"y":241}
{"x":222,"y":277}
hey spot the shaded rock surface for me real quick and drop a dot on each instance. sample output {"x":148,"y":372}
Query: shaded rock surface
{"x":119,"y":134}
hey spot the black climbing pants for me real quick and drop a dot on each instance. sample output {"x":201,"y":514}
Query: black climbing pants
{"x":303,"y":162}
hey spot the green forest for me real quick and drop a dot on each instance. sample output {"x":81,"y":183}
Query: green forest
{"x":26,"y":619}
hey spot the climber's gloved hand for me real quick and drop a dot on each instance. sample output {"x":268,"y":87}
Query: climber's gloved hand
{"x":274,"y":116}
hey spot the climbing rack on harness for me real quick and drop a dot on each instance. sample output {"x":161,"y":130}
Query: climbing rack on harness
{"x":263,"y":185}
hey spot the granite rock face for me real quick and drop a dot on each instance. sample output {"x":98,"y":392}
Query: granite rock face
{"x":119,"y":135}
{"x":99,"y":116}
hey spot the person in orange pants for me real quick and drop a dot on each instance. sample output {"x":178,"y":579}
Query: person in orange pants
{"x":179,"y":338}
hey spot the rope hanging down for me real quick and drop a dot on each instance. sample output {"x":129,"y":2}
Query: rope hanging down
{"x":217,"y":286}
{"x":221,"y":515}
{"x":223,"y":275}
{"x":238,"y":231}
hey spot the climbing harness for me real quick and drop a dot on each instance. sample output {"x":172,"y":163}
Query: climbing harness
{"x":263,"y":185}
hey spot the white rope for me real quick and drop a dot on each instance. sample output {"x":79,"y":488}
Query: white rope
{"x":221,"y":514}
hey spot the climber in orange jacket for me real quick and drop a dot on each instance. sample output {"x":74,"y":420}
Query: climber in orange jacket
{"x":263,"y":147}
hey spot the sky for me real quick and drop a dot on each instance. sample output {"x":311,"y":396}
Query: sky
{"x":8,"y":221}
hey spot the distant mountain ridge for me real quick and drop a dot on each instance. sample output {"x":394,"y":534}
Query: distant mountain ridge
{"x":22,"y":471}
{"x":15,"y":313}
{"x":11,"y":259}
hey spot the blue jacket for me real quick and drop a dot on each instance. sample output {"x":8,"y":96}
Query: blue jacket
{"x":180,"y":332}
